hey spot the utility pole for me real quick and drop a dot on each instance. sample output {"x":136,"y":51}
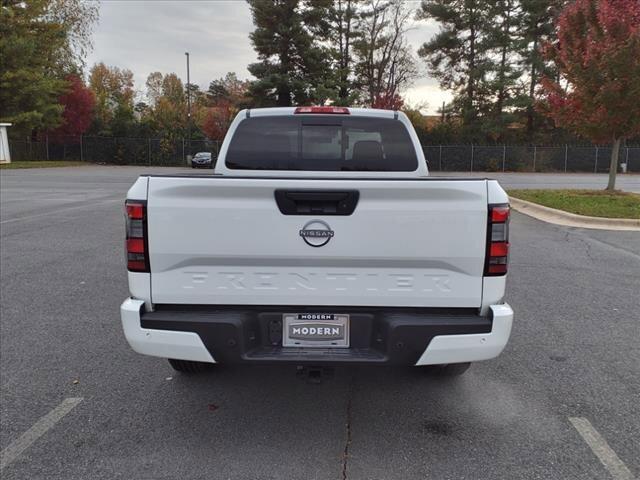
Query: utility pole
{"x":188,"y":105}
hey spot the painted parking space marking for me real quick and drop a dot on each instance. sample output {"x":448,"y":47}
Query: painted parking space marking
{"x":601,"y":449}
{"x":42,"y":426}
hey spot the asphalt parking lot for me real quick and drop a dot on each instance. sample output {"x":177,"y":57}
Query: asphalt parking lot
{"x":560,"y":403}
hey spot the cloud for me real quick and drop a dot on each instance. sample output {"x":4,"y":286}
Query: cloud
{"x":428,"y":98}
{"x":147,"y":36}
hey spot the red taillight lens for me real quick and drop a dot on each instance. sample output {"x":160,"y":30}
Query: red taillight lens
{"x":497,"y":241}
{"x":499,"y":214}
{"x":325,"y":110}
{"x":135,"y":210}
{"x":136,"y":243}
{"x":499,"y":249}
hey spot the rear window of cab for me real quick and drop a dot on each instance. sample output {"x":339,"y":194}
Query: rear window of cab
{"x":322,"y":143}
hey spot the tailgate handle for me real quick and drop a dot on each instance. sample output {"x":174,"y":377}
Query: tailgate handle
{"x":317,"y":202}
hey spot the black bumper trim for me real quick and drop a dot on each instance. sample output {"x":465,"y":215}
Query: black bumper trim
{"x":245,"y":334}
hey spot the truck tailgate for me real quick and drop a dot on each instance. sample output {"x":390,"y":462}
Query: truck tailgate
{"x":417,"y":243}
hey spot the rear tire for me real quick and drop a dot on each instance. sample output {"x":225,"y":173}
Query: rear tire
{"x":188,"y":366}
{"x":449,"y":370}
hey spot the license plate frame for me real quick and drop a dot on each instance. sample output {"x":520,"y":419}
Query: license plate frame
{"x":334,"y":330}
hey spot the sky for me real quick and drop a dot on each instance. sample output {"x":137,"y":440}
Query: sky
{"x":148,"y":35}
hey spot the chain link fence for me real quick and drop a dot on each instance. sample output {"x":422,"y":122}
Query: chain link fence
{"x":112,"y":150}
{"x":442,"y":158}
{"x":534,"y":158}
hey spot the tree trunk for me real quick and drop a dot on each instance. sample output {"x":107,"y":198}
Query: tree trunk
{"x":613,"y":167}
{"x":469,"y":115}
{"x":532,"y":88}
{"x":503,"y":60}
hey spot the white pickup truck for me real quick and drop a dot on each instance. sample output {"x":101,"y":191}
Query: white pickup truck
{"x":318,"y":240}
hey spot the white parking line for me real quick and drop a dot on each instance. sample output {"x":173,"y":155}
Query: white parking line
{"x":15,"y":448}
{"x":601,"y":448}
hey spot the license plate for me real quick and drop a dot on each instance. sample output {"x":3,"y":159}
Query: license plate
{"x":315,"y":330}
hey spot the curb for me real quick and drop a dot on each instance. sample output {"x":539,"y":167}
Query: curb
{"x":559,"y":217}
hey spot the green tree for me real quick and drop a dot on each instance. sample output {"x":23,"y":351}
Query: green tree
{"x":292,"y":66}
{"x":41,"y":42}
{"x":502,"y":86}
{"x":342,"y":23}
{"x":458,"y":55}
{"x":502,"y":39}
{"x":30,"y":84}
{"x":536,"y":25}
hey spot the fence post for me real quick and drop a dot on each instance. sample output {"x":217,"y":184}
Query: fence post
{"x":535,"y":152}
{"x":81,"y":150}
{"x":183,"y":157}
{"x":504,"y":156}
{"x":595,"y":167}
{"x":440,"y":162}
{"x":46,"y":139}
{"x":566,"y":155}
{"x":472,"y":158}
{"x":627,"y":159}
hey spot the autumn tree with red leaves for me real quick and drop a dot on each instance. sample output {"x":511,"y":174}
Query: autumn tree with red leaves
{"x":388,"y":101}
{"x":598,"y":56}
{"x":79,"y":103}
{"x":217,"y":119}
{"x":225,"y":97}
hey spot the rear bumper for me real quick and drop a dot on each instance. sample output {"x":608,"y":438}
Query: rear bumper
{"x":160,"y":343}
{"x":378,"y":335}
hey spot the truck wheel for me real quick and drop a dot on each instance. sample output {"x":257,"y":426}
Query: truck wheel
{"x":188,"y":366}
{"x":449,"y":369}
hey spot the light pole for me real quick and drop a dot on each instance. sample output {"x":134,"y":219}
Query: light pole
{"x":188,"y":105}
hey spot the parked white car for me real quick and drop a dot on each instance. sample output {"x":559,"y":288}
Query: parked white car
{"x":319,"y":240}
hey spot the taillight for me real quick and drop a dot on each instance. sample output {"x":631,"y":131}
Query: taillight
{"x":326,"y":110}
{"x":137,"y":254}
{"x":497,"y":258}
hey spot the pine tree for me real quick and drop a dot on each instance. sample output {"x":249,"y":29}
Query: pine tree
{"x":502,"y":39}
{"x":537,"y":26}
{"x":503,"y":84}
{"x":343,"y":33}
{"x":293,"y":66}
{"x":458,"y":55}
